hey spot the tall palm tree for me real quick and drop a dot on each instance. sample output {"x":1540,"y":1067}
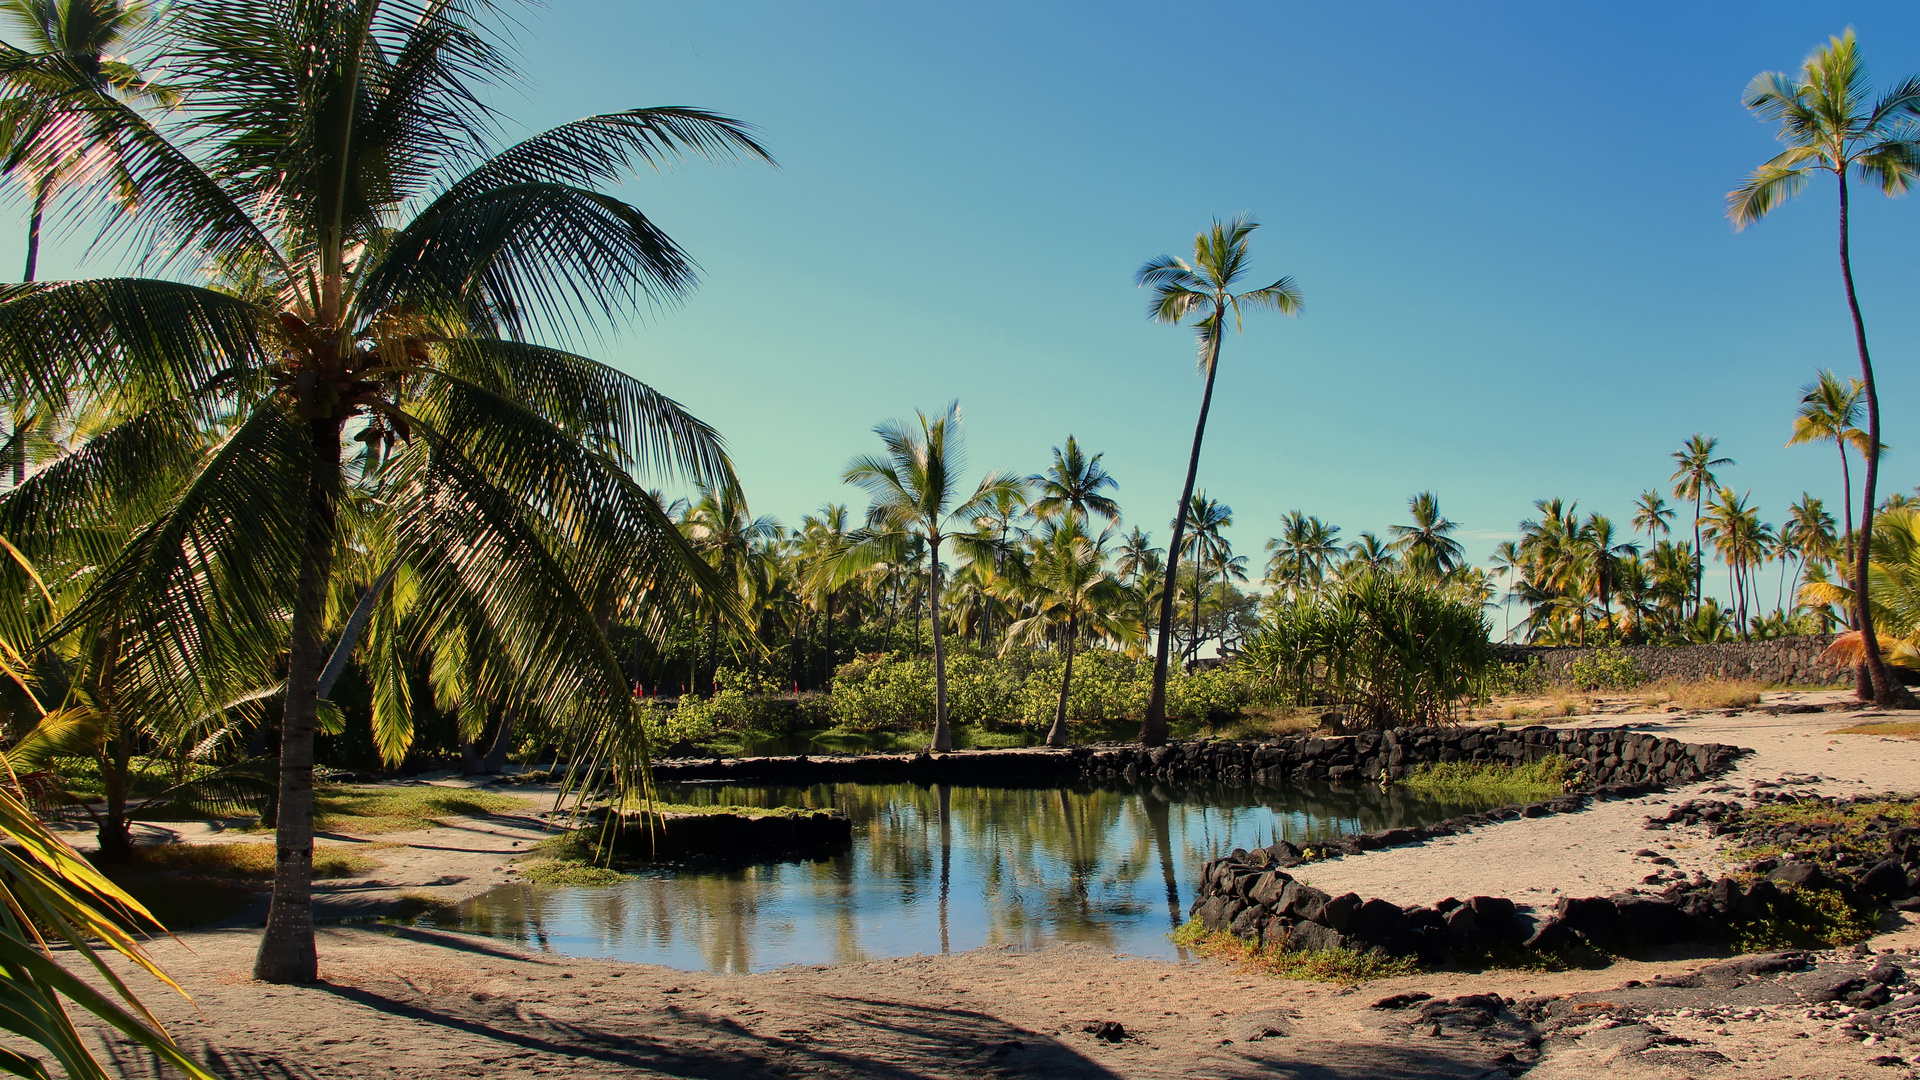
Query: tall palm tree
{"x":1071,"y":593}
{"x":1830,"y":411}
{"x":1744,"y":543}
{"x":823,"y":536}
{"x":1202,"y":291}
{"x":916,"y":493}
{"x":1428,"y":543}
{"x":1509,"y":563}
{"x":397,"y":262}
{"x":1831,"y":122}
{"x":1694,"y":479}
{"x":1653,"y":516}
{"x":1071,"y":486}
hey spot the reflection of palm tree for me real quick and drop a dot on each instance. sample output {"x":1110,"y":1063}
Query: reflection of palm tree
{"x":1156,"y":811}
{"x":946,"y":860}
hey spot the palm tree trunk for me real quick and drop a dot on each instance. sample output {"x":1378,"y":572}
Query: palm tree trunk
{"x":496,"y":758}
{"x":286,"y":950}
{"x":40,"y":192}
{"x":1699,"y":557}
{"x":942,"y":736}
{"x":1885,"y":692}
{"x":1153,"y":727}
{"x":827,"y":676}
{"x":1846,"y":488}
{"x":1057,"y":736}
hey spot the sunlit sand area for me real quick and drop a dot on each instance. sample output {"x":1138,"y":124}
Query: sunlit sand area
{"x":405,"y":671}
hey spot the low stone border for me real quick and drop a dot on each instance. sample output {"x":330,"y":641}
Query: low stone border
{"x":1609,"y":759}
{"x":1252,"y":897}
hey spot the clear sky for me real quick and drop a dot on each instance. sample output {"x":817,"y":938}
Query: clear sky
{"x":1506,"y":220}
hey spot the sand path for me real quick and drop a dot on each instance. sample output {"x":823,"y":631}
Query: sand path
{"x":1592,"y":853}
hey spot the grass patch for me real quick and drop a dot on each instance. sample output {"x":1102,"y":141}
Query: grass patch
{"x":381,"y":810}
{"x":1709,"y":693}
{"x":571,"y":872}
{"x":1474,"y":780}
{"x":1898,"y":727}
{"x":246,"y":860}
{"x":1347,"y":966}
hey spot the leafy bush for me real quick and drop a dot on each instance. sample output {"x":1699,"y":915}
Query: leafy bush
{"x":571,"y":872}
{"x":1502,"y":678}
{"x":1393,"y":648}
{"x":1606,"y":669}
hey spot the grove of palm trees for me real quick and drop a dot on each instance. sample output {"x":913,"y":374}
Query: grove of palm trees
{"x":323,"y":490}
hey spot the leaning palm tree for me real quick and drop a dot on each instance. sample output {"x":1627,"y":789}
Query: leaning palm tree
{"x":1203,"y":291}
{"x":1070,"y":594}
{"x":397,"y":266}
{"x":1071,"y":486}
{"x":915,"y":488}
{"x":1694,"y":479}
{"x":1830,"y":412}
{"x":1831,"y":122}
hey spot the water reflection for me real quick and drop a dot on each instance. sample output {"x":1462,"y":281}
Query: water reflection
{"x":947,"y":868}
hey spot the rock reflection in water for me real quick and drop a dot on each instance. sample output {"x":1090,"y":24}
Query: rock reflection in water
{"x":941,"y":868}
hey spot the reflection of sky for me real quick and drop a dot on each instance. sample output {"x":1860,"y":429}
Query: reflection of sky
{"x":936,"y":870}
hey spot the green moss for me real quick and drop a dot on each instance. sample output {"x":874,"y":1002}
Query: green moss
{"x":1348,"y":966}
{"x":1490,"y":781}
{"x":571,"y":872}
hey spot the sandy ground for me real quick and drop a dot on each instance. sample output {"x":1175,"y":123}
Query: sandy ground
{"x":400,"y":1002}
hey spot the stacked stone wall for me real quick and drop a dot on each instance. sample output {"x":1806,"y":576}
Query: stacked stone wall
{"x":1781,"y":661}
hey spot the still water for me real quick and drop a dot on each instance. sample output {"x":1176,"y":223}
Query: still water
{"x":937,"y":869}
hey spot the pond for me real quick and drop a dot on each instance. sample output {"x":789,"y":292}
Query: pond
{"x":937,"y":869}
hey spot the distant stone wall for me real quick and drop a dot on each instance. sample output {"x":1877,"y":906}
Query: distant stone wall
{"x":1789,"y":660}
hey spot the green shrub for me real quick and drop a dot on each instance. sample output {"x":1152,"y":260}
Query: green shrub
{"x":1388,"y":648}
{"x":571,"y":872}
{"x":1528,"y":678}
{"x":1606,"y":669}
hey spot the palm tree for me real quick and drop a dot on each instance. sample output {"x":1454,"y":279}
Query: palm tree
{"x":1653,"y":516}
{"x":403,"y":334}
{"x":1071,"y":486}
{"x":1509,"y":563}
{"x":73,"y":46}
{"x":732,"y":541}
{"x":1694,"y":479}
{"x":1602,"y":557}
{"x":915,"y":490}
{"x":1808,"y":536}
{"x":1302,"y":553}
{"x":1203,"y":291}
{"x":1070,"y":593}
{"x":1369,"y":554}
{"x":1138,"y":557}
{"x":1207,"y":549}
{"x":1428,"y":543}
{"x":1831,"y":122}
{"x":1743,"y":541}
{"x":1830,"y":411}
{"x":823,"y":536}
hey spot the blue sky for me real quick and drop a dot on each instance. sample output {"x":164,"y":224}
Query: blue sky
{"x":1506,"y":219}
